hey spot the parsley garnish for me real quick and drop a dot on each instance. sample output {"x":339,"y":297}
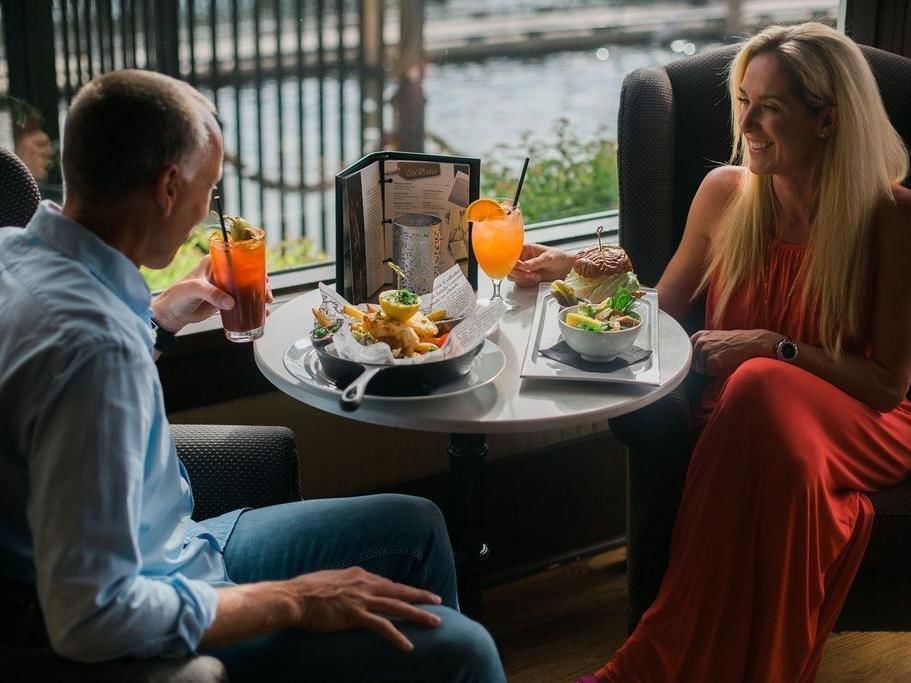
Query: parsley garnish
{"x":406,"y":297}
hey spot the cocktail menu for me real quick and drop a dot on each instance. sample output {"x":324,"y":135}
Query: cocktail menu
{"x":382,"y":190}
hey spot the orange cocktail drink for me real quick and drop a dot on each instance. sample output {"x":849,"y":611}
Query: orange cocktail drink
{"x":239,"y":268}
{"x":497,"y":234}
{"x":497,"y":243}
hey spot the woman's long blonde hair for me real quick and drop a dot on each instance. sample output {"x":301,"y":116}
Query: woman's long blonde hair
{"x":861,"y":160}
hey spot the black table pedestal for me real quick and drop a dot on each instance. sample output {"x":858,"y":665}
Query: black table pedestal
{"x":465,"y":511}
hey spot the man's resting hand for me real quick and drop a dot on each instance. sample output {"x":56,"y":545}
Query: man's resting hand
{"x":323,"y":602}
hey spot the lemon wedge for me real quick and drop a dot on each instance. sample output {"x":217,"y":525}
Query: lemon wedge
{"x":573,"y":320}
{"x":400,"y":304}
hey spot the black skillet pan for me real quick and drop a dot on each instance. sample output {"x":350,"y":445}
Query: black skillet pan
{"x":390,"y":380}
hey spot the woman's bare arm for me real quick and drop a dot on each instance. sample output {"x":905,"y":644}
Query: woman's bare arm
{"x":681,"y":278}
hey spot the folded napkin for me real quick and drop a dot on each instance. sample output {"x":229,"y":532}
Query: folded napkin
{"x":562,"y":353}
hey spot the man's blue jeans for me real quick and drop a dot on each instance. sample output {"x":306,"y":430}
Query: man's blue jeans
{"x":400,"y":537}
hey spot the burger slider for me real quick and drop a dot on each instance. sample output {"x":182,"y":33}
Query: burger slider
{"x":600,"y":271}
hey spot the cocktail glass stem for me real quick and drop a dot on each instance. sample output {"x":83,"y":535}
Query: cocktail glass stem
{"x":498,"y":297}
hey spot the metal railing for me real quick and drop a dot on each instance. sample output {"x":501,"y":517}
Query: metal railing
{"x":298,"y":84}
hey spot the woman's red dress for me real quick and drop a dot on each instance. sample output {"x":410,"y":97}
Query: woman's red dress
{"x":773,"y":523}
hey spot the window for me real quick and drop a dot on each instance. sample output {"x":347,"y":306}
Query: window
{"x":306,"y":87}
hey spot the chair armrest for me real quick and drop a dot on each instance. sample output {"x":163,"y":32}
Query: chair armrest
{"x":43,"y":664}
{"x":234,"y":466}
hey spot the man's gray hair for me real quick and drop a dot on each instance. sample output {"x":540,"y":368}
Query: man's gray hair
{"x":124,"y":127}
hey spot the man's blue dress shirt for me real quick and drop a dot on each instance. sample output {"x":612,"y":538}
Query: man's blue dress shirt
{"x":94,"y":503}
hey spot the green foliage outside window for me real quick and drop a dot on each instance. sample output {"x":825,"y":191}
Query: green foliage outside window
{"x":566,"y":176}
{"x":288,"y":254}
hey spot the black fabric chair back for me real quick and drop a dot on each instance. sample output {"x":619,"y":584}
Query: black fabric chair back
{"x":19,"y":197}
{"x":674,"y":127}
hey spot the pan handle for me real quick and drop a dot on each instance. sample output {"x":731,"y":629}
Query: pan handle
{"x":354,"y":393}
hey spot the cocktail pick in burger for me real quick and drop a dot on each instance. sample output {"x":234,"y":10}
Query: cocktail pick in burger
{"x":600,"y":271}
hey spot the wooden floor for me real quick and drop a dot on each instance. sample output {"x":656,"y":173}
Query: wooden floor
{"x":563,"y":623}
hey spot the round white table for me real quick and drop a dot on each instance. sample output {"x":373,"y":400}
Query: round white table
{"x":508,"y":404}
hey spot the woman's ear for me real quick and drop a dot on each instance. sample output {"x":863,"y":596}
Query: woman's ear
{"x":166,"y":189}
{"x":828,"y":119}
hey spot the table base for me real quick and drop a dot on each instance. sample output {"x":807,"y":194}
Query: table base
{"x":465,"y":514}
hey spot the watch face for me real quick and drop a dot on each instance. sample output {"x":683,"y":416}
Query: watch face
{"x":787,"y":350}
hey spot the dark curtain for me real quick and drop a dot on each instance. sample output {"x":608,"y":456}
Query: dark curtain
{"x":885,"y":24}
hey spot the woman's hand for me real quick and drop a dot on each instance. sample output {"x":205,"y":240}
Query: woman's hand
{"x":538,"y":263}
{"x":719,"y":352}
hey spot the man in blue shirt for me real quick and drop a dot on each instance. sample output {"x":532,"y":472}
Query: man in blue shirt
{"x":95,"y":505}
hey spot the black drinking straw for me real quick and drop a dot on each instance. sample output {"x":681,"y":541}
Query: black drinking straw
{"x":515,"y":202}
{"x":231,"y":286}
{"x":221,"y":217}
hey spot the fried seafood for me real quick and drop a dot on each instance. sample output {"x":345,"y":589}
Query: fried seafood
{"x":397,"y":335}
{"x":421,"y":324}
{"x":398,"y":323}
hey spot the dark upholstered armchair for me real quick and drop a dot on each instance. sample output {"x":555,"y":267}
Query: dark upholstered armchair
{"x":20,"y":191}
{"x":674,"y":126}
{"x":230,"y":468}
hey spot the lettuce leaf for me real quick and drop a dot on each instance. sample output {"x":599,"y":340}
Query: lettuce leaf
{"x":590,"y":327}
{"x":621,"y":301}
{"x":597,"y":290}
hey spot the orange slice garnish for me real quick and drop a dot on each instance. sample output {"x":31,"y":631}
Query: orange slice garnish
{"x":484,"y":209}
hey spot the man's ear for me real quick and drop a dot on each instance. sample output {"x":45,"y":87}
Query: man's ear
{"x":167,"y":185}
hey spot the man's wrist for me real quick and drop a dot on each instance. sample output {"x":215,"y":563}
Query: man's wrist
{"x":162,"y":316}
{"x":164,"y":338}
{"x":289,"y":601}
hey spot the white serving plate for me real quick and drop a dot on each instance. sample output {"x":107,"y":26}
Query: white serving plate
{"x":545,"y":332}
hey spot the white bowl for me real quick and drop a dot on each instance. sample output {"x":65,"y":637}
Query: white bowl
{"x":598,"y":346}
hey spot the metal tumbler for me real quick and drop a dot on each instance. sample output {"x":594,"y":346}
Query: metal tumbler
{"x":416,"y":242}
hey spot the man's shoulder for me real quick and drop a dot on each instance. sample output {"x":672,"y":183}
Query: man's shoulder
{"x":50,"y":298}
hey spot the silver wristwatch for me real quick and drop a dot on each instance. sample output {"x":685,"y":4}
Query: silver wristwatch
{"x":786,"y":350}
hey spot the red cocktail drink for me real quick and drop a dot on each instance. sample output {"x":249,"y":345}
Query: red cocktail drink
{"x":239,"y":268}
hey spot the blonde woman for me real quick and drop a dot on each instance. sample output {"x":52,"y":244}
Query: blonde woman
{"x":808,"y":344}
